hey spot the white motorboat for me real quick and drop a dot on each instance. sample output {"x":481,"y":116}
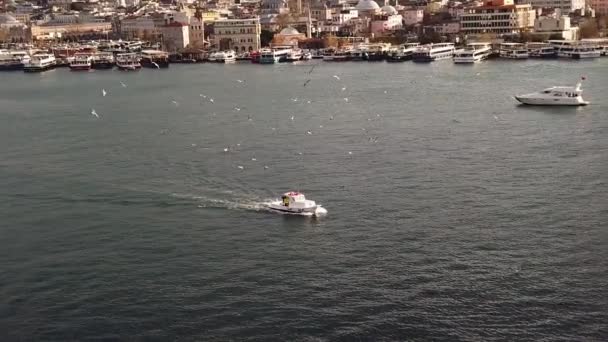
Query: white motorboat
{"x":555,"y":96}
{"x":295,"y":203}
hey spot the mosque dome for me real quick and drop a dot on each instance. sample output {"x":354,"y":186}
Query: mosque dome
{"x":289,"y":31}
{"x":390,"y":10}
{"x":367,"y":5}
{"x":6,"y":18}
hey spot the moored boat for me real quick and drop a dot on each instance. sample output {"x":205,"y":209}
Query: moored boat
{"x":433,"y":52}
{"x":128,"y":62}
{"x":154,"y":59}
{"x":40,"y":62}
{"x":103,"y":60}
{"x":81,"y":62}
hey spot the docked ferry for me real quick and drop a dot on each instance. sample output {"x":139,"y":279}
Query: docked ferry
{"x":81,"y":62}
{"x":154,"y":59}
{"x":272,"y":56}
{"x":574,"y":49}
{"x":128,"y":62}
{"x":541,"y":50}
{"x":403,"y":53}
{"x":13,"y":60}
{"x":473,"y":53}
{"x":513,"y":51}
{"x":103,"y":60}
{"x":433,"y":52}
{"x":40,"y":62}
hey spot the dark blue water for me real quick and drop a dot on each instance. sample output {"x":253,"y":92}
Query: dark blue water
{"x":454,"y":213}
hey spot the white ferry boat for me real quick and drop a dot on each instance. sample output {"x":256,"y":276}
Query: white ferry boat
{"x":103,"y":60}
{"x":575,"y":49}
{"x":433,"y":52}
{"x":541,"y":50}
{"x":601,"y":43}
{"x":13,"y":60}
{"x":272,"y":56}
{"x":513,"y":51}
{"x":128,"y":62}
{"x":227,"y":56}
{"x":40,"y":62}
{"x":473,"y":53}
{"x":81,"y":62}
{"x":294,"y":56}
{"x":555,"y":96}
{"x":402,"y":53}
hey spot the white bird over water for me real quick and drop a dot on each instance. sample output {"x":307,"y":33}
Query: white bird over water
{"x":175,"y":103}
{"x":346,"y":99}
{"x":293,"y":118}
{"x":265,"y":167}
{"x":94,"y":113}
{"x":240,"y":81}
{"x":336,"y":77}
{"x":253,"y":159}
{"x":103,"y":92}
{"x":240,"y":167}
{"x":237,"y":109}
{"x":343,"y":88}
{"x":225,"y":149}
{"x":203,"y":96}
{"x":211,"y":100}
{"x":123,"y":85}
{"x":309,"y":132}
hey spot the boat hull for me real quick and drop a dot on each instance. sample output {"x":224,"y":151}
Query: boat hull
{"x":80,"y":68}
{"x":551,"y":102}
{"x":102,"y":65}
{"x":316,"y":210}
{"x":37,"y":68}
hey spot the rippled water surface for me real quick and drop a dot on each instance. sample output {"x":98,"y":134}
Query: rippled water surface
{"x":454,"y":213}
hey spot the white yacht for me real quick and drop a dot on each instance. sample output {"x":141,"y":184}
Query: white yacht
{"x":513,"y":51}
{"x":433,"y":52}
{"x":82,"y":62}
{"x":128,"y":62}
{"x":40,"y":62}
{"x":473,"y":53}
{"x":555,"y":96}
{"x":295,"y":203}
{"x":575,"y":49}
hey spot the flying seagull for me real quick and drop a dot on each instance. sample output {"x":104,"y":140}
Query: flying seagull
{"x":103,"y":92}
{"x":94,"y":113}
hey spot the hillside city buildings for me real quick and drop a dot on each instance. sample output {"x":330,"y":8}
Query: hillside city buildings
{"x":247,"y":25}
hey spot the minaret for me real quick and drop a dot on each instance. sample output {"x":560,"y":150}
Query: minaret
{"x":309,"y":25}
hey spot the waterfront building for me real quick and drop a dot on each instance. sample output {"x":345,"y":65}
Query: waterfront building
{"x":274,"y":6}
{"x":565,"y":6}
{"x":342,"y":16}
{"x":498,"y":17}
{"x":385,"y":23}
{"x":549,"y":27}
{"x":600,"y":6}
{"x":237,"y":34}
{"x":321,"y":12}
{"x":76,"y":30}
{"x":175,"y":36}
{"x":412,"y":16}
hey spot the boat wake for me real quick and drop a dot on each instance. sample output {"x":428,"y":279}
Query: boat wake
{"x":244,"y":203}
